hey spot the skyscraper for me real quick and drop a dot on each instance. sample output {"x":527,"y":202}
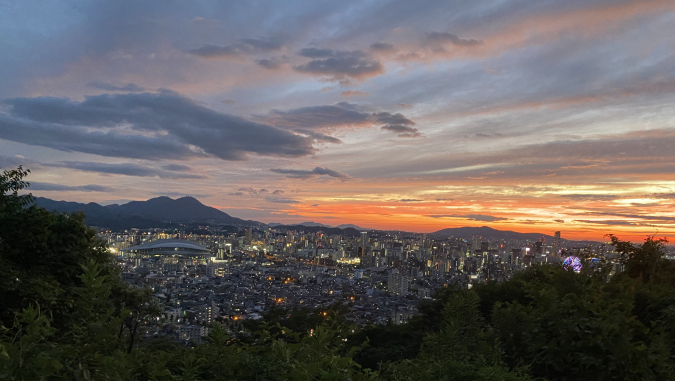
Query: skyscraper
{"x":556,"y":243}
{"x":364,"y":241}
{"x":397,"y":283}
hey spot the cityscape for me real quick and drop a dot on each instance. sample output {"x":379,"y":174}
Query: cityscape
{"x":380,"y":276}
{"x":300,"y":190}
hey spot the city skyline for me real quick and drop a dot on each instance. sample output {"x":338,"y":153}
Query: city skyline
{"x":398,"y":115}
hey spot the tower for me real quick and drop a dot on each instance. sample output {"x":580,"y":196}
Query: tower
{"x":364,"y":241}
{"x":556,"y":243}
{"x":248,"y":237}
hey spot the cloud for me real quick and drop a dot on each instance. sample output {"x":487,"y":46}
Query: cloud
{"x":382,"y":46}
{"x":271,"y":63}
{"x":182,"y":194}
{"x":354,"y":93}
{"x":229,"y":102}
{"x":338,"y":65}
{"x":243,"y":47}
{"x":392,"y":119}
{"x":560,"y":221}
{"x":339,"y":115}
{"x":252,"y":191}
{"x":278,"y":192}
{"x":318,"y":136}
{"x":316,"y":53}
{"x":403,"y":131}
{"x":305,"y":174}
{"x":155,"y":126}
{"x":472,"y":217}
{"x":325,"y":89}
{"x":612,"y":222}
{"x":313,"y":117}
{"x":452,"y":38}
{"x":47,"y":187}
{"x":128,"y":87}
{"x":177,"y":167}
{"x":590,"y":197}
{"x":410,"y":200}
{"x":128,"y":169}
{"x":277,"y":200}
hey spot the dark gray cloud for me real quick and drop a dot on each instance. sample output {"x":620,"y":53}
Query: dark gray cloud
{"x":162,"y":125}
{"x":127,"y":169}
{"x":271,"y":63}
{"x":278,"y":192}
{"x":473,"y":217}
{"x":666,"y":196}
{"x":341,"y":114}
{"x":452,"y":38}
{"x":127,"y":87}
{"x":403,"y":131}
{"x":389,"y":118}
{"x":47,"y":187}
{"x":318,"y":136}
{"x":177,"y":167}
{"x":316,"y":53}
{"x":397,"y":123}
{"x":278,"y":200}
{"x":612,"y":222}
{"x":410,"y":200}
{"x":338,"y":65}
{"x":590,"y":197}
{"x":244,"y":46}
{"x":251,"y":191}
{"x":306,"y":174}
{"x":382,"y":46}
{"x":635,"y":155}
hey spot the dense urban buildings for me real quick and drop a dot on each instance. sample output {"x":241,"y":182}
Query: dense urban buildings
{"x":379,"y":277}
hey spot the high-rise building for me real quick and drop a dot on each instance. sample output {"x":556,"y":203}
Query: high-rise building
{"x":364,"y":241}
{"x":248,"y":237}
{"x":556,"y":243}
{"x":397,"y":283}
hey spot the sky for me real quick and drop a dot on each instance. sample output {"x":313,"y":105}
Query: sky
{"x":400,"y":115}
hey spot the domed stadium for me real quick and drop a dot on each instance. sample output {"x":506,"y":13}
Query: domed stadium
{"x":174,"y":247}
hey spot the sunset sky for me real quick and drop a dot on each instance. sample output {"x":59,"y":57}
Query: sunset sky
{"x":407,"y":115}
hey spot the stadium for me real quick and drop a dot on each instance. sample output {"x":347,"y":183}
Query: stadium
{"x":166,"y":247}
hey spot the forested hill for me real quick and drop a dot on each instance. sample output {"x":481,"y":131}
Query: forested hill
{"x":155,"y":212}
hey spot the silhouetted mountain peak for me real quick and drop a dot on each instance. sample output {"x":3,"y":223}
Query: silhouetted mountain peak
{"x":161,"y":210}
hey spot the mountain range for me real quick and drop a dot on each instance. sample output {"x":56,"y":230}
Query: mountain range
{"x":314,"y":224}
{"x":485,"y":231}
{"x":155,"y":212}
{"x":165,"y":212}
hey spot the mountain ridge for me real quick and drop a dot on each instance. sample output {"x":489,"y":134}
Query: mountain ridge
{"x":156,"y":212}
{"x":486,"y":231}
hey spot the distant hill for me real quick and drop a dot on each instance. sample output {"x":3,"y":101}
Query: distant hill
{"x":350,"y":232}
{"x":488,"y":232}
{"x":156,"y":212}
{"x":312,"y":224}
{"x":344,"y":226}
